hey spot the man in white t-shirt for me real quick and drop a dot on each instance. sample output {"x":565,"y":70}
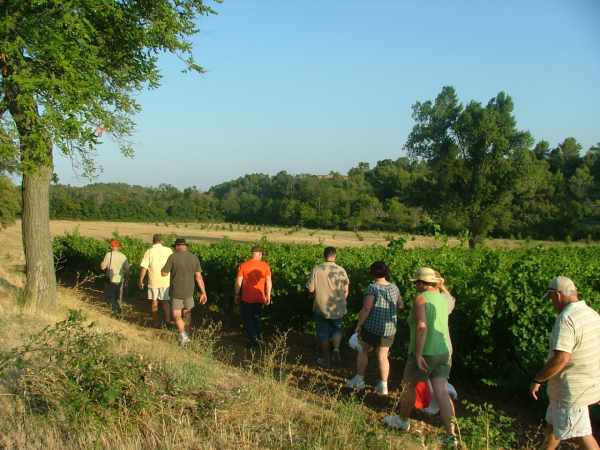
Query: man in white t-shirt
{"x":158,"y":286}
{"x":572,"y":370}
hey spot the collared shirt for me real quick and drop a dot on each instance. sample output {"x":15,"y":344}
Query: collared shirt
{"x":576,"y":331}
{"x":154,"y":260}
{"x":329,"y":283}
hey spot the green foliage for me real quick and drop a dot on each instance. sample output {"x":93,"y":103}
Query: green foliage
{"x":553,"y":201}
{"x":71,"y":68}
{"x":477,"y":157}
{"x":70,"y":368}
{"x":501,"y":322}
{"x":10,"y":202}
{"x":486,"y":428}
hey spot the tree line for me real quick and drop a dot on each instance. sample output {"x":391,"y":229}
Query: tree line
{"x":468,"y":170}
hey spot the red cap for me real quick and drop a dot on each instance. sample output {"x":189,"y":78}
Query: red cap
{"x":114,"y":243}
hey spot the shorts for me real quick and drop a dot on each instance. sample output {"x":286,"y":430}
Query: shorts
{"x":158,"y":293}
{"x":375,"y":340}
{"x":568,"y":421}
{"x":439,"y":367}
{"x":182,"y":303}
{"x":327,"y":328}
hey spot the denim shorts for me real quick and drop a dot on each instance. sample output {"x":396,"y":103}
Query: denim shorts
{"x":327,"y":328}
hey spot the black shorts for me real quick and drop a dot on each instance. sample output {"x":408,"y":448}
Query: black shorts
{"x":375,"y":340}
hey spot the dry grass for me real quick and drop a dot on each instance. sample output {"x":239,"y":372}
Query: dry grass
{"x":219,"y":407}
{"x":208,"y":233}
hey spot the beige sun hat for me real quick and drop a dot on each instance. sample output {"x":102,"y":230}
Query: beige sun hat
{"x":426,"y":274}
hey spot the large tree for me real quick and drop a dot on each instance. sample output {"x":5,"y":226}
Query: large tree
{"x":69,"y":71}
{"x":477,"y":158}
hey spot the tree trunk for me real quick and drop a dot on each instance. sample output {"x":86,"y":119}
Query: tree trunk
{"x":37,"y":168}
{"x":40,"y":287}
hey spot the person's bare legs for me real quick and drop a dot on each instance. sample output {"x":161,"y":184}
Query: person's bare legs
{"x":384,"y":363}
{"x":336,"y":340}
{"x":166,"y":306}
{"x":440,"y":391}
{"x":407,"y":401}
{"x":179,"y":323}
{"x":154,"y":311}
{"x":587,"y":442}
{"x":551,"y":442}
{"x":362,"y":360}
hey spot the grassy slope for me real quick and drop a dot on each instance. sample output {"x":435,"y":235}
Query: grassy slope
{"x":215,"y":405}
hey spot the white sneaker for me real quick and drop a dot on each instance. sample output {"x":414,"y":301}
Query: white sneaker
{"x":381,"y":388}
{"x":431,"y":410}
{"x":184,"y":339}
{"x":397,"y":423}
{"x":357,"y":383}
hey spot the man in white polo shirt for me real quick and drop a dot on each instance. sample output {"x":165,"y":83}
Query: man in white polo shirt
{"x":572,"y":370}
{"x":158,"y":286}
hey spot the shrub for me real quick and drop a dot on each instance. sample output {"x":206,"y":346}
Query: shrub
{"x":69,"y":368}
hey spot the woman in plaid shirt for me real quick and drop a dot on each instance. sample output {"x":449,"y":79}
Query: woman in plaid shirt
{"x":377,"y":326}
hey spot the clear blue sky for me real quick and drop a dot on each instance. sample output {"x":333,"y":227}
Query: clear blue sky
{"x":311,"y":87}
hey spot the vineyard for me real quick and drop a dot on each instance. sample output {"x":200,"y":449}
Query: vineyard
{"x":501,"y":322}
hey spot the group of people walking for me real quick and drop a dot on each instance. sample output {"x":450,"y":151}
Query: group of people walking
{"x":572,"y":370}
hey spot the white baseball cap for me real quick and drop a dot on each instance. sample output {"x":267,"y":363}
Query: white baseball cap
{"x":562,"y":284}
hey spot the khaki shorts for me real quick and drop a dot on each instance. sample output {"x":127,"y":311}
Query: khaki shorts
{"x":158,"y":293}
{"x":182,"y":303}
{"x":439,"y":367}
{"x":568,"y":422}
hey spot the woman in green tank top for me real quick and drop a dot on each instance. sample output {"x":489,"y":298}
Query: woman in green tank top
{"x":430,"y":351}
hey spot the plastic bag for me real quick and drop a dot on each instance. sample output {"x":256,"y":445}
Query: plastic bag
{"x":354,"y":342}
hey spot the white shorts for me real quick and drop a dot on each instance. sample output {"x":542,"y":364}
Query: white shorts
{"x":158,"y":293}
{"x":569,"y":422}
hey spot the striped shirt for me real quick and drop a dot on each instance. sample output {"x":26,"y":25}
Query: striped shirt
{"x":577,"y":331}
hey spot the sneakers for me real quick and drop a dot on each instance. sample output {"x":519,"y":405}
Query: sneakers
{"x":184,"y":339}
{"x":357,"y":383}
{"x":336,"y":357}
{"x":382,"y":388}
{"x":397,"y":423}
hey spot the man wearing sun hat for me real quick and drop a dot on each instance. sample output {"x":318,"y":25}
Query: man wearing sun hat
{"x":430,"y":353}
{"x":572,"y":370}
{"x":116,"y":267}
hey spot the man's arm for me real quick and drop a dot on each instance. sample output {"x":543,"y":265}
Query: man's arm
{"x":167,"y":267}
{"x":553,"y":367}
{"x":200,"y":283}
{"x":104,"y":263}
{"x":310,"y":284}
{"x":237,"y":286}
{"x":346,"y":285}
{"x":421,"y":332}
{"x":268,"y":288}
{"x":143,"y":271}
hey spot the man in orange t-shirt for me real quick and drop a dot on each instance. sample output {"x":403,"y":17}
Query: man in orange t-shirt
{"x":252,"y":290}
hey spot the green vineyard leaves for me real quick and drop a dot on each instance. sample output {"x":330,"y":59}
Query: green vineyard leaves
{"x":501,"y":322}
